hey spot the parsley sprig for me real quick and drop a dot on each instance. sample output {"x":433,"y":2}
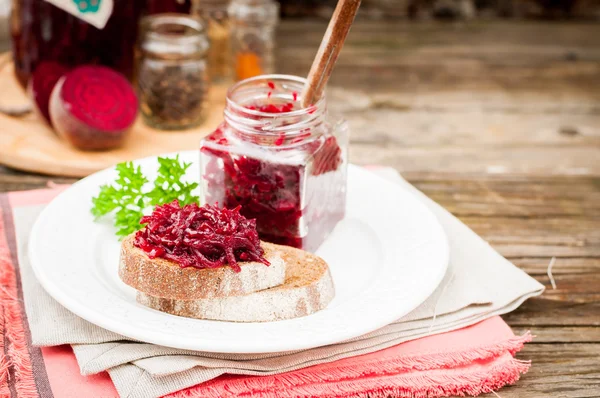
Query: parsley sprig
{"x":127,"y":199}
{"x":168,"y":185}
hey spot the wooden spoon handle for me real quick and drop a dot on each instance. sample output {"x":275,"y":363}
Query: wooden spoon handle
{"x":332,"y":43}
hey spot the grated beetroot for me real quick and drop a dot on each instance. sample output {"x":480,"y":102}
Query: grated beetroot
{"x":200,"y":237}
{"x":327,"y":156}
{"x":272,"y":108}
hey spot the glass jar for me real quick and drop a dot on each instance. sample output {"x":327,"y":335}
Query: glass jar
{"x":214,"y":13}
{"x":253,"y":25}
{"x":43,"y":32}
{"x":172,"y":73}
{"x":286,"y":170}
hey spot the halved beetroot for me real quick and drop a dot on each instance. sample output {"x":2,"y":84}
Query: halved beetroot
{"x":93,"y":107}
{"x":42,"y":81}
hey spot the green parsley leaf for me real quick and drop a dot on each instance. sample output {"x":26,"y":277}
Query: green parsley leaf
{"x":127,"y":200}
{"x":124,"y":198}
{"x":169,"y":186}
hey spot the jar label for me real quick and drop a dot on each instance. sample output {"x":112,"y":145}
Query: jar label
{"x":94,"y":12}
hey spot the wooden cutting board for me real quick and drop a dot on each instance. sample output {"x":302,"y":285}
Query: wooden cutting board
{"x":28,"y":143}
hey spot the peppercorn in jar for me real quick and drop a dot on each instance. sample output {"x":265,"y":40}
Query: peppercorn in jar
{"x":172,"y":73}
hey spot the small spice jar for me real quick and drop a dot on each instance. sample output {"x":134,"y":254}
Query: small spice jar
{"x":214,"y":14}
{"x":172,"y":73}
{"x":253,"y":25}
{"x":284,"y":165}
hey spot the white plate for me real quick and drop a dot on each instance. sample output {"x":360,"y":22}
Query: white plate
{"x":386,"y":257}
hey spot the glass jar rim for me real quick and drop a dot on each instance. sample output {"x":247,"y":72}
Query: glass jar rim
{"x":248,"y":122}
{"x":194,"y":33}
{"x":320,"y":104}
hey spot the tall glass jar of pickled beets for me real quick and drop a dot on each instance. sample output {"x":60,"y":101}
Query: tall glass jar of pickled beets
{"x":283,"y":164}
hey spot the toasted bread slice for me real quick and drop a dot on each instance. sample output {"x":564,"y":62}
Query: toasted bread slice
{"x":308,"y":288}
{"x":163,"y":278}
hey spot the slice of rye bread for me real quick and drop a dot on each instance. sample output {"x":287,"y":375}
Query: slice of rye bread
{"x":164,"y":278}
{"x":308,"y":288}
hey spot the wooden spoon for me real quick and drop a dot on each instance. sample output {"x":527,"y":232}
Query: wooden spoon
{"x":330,"y":48}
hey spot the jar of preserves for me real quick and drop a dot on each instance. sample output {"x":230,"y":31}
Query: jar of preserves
{"x":214,"y":14}
{"x":253,"y":24}
{"x":172,"y":75}
{"x":283,"y":164}
{"x":42,"y":32}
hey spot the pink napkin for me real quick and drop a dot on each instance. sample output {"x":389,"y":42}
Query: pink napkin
{"x":469,"y":361}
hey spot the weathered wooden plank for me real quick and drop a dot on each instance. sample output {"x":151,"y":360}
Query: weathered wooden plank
{"x":458,"y":61}
{"x":466,"y":132}
{"x":395,"y":78}
{"x":516,"y":197}
{"x":574,"y":302}
{"x":558,"y":370}
{"x":446,"y":126}
{"x":540,"y":311}
{"x":493,"y":204}
{"x":572,"y":288}
{"x":534,"y":160}
{"x":539,"y":34}
{"x":538,"y":237}
{"x":562,"y":265}
{"x":499,"y":99}
{"x":513,"y":102}
{"x":562,"y":334}
{"x":398,"y":57}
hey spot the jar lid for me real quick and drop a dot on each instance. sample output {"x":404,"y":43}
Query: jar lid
{"x":174,"y":34}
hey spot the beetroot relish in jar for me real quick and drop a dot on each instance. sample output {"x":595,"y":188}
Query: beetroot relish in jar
{"x":285,"y":166}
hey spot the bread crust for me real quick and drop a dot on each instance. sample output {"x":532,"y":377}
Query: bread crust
{"x":308,"y":289}
{"x":166,"y":279}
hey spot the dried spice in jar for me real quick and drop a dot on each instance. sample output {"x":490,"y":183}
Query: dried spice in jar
{"x":172,"y":74}
{"x":253,"y":25}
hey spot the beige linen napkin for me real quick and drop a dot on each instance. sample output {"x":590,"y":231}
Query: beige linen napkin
{"x":479,"y":284}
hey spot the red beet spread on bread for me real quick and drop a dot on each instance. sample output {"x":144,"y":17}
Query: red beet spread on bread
{"x":200,"y":237}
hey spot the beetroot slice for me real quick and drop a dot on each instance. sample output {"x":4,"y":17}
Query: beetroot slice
{"x":100,"y":98}
{"x":42,"y":82}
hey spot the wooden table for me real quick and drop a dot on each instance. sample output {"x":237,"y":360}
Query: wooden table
{"x":500,"y":123}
